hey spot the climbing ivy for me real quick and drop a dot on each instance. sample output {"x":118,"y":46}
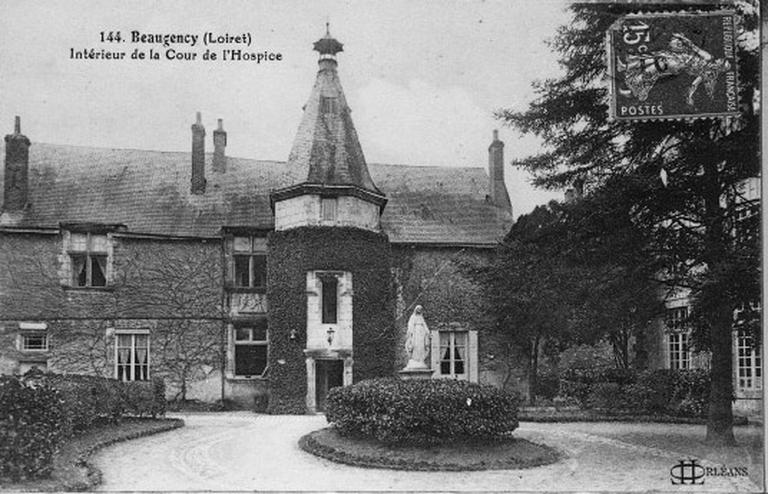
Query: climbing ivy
{"x":291,"y":254}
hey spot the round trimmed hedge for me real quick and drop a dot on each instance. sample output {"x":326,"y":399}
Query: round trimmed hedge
{"x":430,"y":411}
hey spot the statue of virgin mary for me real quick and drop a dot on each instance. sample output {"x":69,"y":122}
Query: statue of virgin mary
{"x":417,"y":340}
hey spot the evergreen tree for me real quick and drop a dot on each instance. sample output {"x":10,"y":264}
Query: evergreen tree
{"x":678,"y":180}
{"x":525,"y":287}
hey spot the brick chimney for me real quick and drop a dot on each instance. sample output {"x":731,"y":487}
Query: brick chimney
{"x":497,"y":189}
{"x":16,"y":190}
{"x":198,"y":156}
{"x":219,"y":143}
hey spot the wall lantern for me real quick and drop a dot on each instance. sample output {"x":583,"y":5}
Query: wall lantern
{"x":330,"y":335}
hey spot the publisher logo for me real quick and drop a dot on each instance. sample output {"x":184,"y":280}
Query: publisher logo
{"x":687,"y":472}
{"x":690,"y":472}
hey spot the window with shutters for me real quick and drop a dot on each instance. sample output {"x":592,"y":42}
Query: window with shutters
{"x":453,"y":354}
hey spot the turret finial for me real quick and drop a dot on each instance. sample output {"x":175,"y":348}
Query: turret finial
{"x":328,"y":46}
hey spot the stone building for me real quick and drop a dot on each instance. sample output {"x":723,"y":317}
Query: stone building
{"x":667,"y":342}
{"x":244,"y":280}
{"x":669,"y":345}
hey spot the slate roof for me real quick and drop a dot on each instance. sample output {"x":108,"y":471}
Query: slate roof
{"x":326,"y":143}
{"x":149,"y":192}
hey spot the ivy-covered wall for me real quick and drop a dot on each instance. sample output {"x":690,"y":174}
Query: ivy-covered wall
{"x":291,"y":254}
{"x":173,"y":288}
{"x":147,"y":279}
{"x":186,"y":353}
{"x":435,"y":278}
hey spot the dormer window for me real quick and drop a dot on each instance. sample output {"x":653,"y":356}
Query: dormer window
{"x":328,"y":104}
{"x":88,"y":254}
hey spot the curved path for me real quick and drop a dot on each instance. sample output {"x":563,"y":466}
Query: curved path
{"x":245,"y":451}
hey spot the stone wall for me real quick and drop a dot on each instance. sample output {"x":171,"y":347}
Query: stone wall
{"x":175,"y":290}
{"x":148,"y":278}
{"x":306,"y":210}
{"x":184,"y":351}
{"x":171,"y":289}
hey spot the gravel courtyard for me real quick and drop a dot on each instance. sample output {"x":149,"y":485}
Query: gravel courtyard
{"x":245,"y":451}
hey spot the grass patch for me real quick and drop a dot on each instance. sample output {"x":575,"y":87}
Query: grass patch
{"x":71,"y":470}
{"x":511,"y":453}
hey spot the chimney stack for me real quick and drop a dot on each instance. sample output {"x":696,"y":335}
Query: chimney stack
{"x":219,"y":143}
{"x":198,"y":156}
{"x":497,"y":189}
{"x":16,"y":189}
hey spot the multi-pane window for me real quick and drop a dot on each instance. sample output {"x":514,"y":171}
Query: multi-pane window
{"x":679,"y":351}
{"x":453,"y":354}
{"x":746,"y":314}
{"x":251,"y":344}
{"x":748,"y":363}
{"x":88,"y":254}
{"x":330,"y":299}
{"x":678,"y":338}
{"x":34,"y":342}
{"x":132,"y":357}
{"x":329,"y":206}
{"x":747,"y":221}
{"x":677,"y":319}
{"x":250,"y":258}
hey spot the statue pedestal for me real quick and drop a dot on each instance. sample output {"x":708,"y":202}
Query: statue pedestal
{"x":415,"y":373}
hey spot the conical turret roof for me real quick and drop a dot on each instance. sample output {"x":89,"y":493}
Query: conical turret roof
{"x":326,"y":144}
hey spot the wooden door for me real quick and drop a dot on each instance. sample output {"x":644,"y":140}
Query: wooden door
{"x":328,"y":374}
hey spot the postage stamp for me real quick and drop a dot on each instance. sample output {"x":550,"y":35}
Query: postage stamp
{"x":673,"y":65}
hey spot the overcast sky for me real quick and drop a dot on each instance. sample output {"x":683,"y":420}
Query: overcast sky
{"x":422,"y":77}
